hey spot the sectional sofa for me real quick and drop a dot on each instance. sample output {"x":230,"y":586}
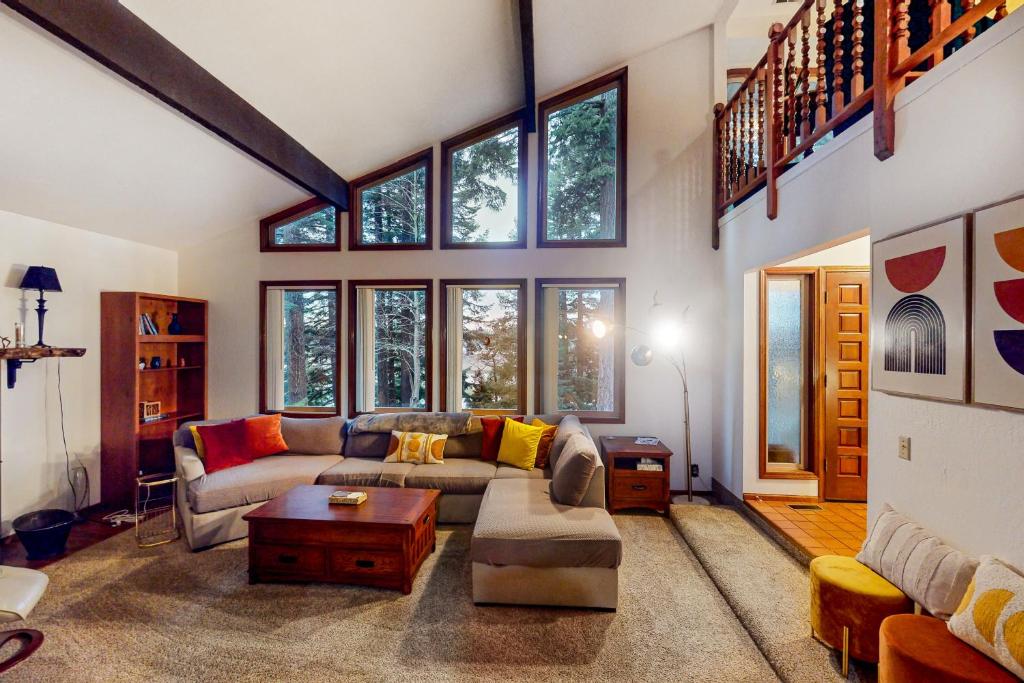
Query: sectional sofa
{"x":526,"y":548}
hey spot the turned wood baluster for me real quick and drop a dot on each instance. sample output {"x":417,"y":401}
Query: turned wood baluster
{"x":838,"y":97}
{"x":969,"y":34}
{"x":789,"y":91}
{"x":805,"y":76}
{"x":762,"y":93}
{"x":748,"y":133}
{"x":742,"y":102}
{"x":752,"y":134}
{"x":901,"y":33}
{"x":857,"y":83}
{"x":734,"y":152}
{"x":1001,"y":12}
{"x":821,"y":113}
{"x":942,"y":12}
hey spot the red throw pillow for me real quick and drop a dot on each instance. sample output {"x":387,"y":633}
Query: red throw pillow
{"x":493,"y":427}
{"x":263,"y":436}
{"x":225,"y":444}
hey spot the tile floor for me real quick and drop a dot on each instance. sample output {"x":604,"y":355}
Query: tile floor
{"x":835,"y":529}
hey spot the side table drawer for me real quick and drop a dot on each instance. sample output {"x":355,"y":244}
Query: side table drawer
{"x":639,"y":488}
{"x":290,"y":559}
{"x":365,"y":562}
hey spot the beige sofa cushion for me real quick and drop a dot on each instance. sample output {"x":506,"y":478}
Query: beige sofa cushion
{"x":366,"y":472}
{"x":459,"y":475}
{"x":314,"y":435}
{"x":915,"y":561}
{"x":255,"y":482}
{"x":520,"y":525}
{"x":567,"y":427}
{"x":570,"y":479}
{"x":509,"y":472}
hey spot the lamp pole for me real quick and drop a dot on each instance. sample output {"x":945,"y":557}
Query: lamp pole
{"x":680,"y":367}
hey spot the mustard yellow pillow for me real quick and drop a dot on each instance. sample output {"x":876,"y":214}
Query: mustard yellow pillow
{"x":416,"y":447}
{"x":200,"y":448}
{"x":519,"y":443}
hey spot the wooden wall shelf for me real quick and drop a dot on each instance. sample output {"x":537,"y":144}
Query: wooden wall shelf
{"x":18,"y":356}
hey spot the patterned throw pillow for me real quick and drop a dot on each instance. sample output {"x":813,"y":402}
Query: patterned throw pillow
{"x":416,"y":447}
{"x":990,"y":618}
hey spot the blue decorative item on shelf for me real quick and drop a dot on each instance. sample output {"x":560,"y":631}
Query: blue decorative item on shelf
{"x":155,"y":363}
{"x":175,"y":326}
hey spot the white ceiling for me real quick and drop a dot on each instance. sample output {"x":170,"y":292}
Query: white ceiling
{"x":360,"y":83}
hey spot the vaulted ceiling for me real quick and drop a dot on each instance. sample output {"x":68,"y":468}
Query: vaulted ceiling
{"x":358,"y":82}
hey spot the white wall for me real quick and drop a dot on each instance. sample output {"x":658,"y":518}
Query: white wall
{"x":669,"y":219}
{"x":30,"y":431}
{"x":959,"y":145}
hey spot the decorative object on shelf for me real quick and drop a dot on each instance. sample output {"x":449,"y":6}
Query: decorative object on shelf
{"x":667,"y":335}
{"x":148,"y":409}
{"x":182,"y":362}
{"x":174,"y":327}
{"x":42,"y":279}
{"x":155,"y":363}
{"x":919,"y":303}
{"x":4,"y":342}
{"x":146,"y":325}
{"x":19,"y":335}
{"x":156,"y":520}
{"x":997,"y":367}
{"x":142,"y":364}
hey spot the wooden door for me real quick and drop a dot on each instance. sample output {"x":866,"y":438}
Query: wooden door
{"x":845,"y":420}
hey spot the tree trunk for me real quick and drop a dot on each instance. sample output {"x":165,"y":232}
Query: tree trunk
{"x":606,"y":356}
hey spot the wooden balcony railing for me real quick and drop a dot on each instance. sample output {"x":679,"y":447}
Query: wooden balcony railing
{"x":832,"y":63}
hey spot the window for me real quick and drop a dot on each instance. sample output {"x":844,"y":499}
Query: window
{"x":299,"y":342}
{"x":787,"y":372}
{"x":484,"y":186}
{"x":578,"y":371}
{"x":583,"y":166}
{"x":483,"y":346}
{"x":312,"y":225}
{"x":391,"y":208}
{"x":389,"y":345}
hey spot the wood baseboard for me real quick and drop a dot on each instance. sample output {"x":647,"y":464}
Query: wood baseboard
{"x":779,"y":498}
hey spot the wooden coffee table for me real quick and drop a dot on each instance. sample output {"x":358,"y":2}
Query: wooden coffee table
{"x":299,"y":536}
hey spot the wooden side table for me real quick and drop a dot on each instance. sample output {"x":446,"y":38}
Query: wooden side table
{"x":629,"y":487}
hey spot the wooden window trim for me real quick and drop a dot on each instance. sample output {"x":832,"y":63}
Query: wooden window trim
{"x":353,"y":287}
{"x":309,"y":284}
{"x":423,"y":158}
{"x":813,"y":376}
{"x":617,"y":416}
{"x":521,"y":380}
{"x":294,"y":213}
{"x":616,"y":79}
{"x":470,"y":137}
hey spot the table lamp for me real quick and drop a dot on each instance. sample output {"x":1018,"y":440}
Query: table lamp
{"x":45,"y":280}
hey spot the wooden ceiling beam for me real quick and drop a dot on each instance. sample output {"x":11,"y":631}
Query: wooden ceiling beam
{"x":112,"y":35}
{"x":526,"y":46}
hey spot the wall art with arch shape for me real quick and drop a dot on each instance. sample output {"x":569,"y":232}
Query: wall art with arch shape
{"x":998,"y":319}
{"x":919,"y":311}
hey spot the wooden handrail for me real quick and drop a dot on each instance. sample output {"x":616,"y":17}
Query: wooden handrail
{"x":782,"y":109}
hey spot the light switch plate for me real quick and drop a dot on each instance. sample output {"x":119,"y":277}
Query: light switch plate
{"x":905,"y":447}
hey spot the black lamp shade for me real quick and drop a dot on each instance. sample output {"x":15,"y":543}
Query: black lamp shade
{"x":41,"y":278}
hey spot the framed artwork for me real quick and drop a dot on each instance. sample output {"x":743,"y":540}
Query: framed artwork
{"x":998,"y":320}
{"x":919,"y":311}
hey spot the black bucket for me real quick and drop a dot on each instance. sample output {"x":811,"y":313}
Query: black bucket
{"x":44,"y":533}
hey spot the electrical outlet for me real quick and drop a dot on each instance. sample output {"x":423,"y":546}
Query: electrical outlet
{"x":694,"y":470}
{"x":904,"y":451}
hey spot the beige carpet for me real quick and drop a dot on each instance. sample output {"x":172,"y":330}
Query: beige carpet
{"x":118,"y":613}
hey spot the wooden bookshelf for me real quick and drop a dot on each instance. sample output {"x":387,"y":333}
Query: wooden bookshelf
{"x":132,"y":447}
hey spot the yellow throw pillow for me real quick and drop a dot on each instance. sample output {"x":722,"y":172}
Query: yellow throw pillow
{"x":991,"y":615}
{"x":519,"y":444}
{"x":200,"y":448}
{"x":416,"y":447}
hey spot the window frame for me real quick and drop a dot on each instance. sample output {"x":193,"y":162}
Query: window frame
{"x":615,"y":79}
{"x":471,"y":137}
{"x":618,"y":415}
{"x":812,"y":408}
{"x":401,"y":167}
{"x":353,"y":288}
{"x":521,"y":332}
{"x":294,"y":213}
{"x":306,"y":284}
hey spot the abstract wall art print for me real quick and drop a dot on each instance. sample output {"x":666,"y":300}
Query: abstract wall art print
{"x":919,"y":312}
{"x":998,"y":320}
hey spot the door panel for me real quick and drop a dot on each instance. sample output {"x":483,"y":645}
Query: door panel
{"x":845,"y":424}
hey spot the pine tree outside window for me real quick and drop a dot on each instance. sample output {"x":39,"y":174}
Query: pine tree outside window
{"x":312,"y":225}
{"x":299,"y":342}
{"x":391,"y":208}
{"x":583,"y":165}
{"x":577,"y":372}
{"x":390,"y":345}
{"x":483,"y":350}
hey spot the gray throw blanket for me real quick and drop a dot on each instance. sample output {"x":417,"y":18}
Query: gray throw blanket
{"x":452,"y":424}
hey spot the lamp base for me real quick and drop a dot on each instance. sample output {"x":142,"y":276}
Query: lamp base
{"x":682,"y":500}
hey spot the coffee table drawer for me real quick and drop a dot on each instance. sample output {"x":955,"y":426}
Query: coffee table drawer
{"x":290,"y":559}
{"x":365,"y":562}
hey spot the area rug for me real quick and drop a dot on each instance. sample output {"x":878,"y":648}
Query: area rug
{"x":766,"y":587}
{"x":114,"y":612}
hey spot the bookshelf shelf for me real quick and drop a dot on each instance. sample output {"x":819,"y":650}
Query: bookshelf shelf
{"x":172,"y":339}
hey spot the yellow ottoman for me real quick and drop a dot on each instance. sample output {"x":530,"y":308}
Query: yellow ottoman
{"x":849,"y":603}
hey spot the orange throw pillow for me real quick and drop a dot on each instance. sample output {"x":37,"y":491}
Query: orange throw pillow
{"x":225,"y":445}
{"x":263,"y":436}
{"x":493,"y":427}
{"x":546,"y":439}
